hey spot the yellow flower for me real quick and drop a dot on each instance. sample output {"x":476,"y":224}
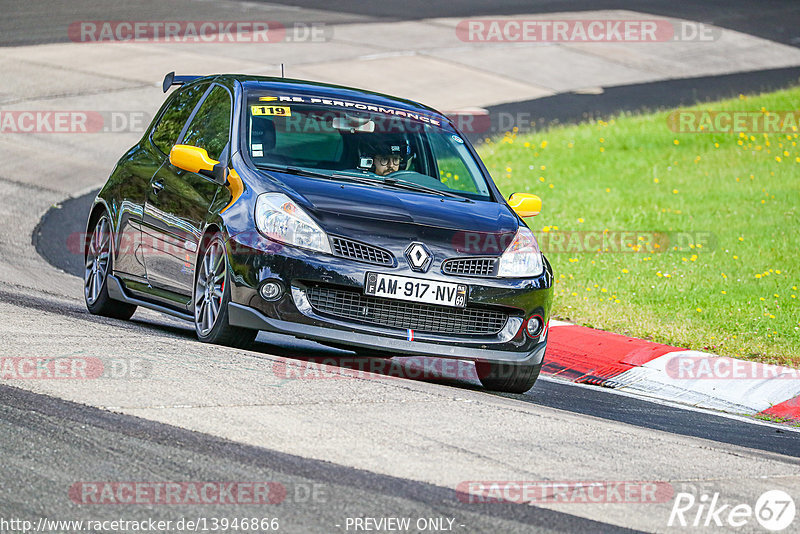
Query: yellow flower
{"x":541,"y":178}
{"x":546,"y":229}
{"x":625,"y":271}
{"x":655,"y":180}
{"x":674,"y":191}
{"x":542,"y":167}
{"x":676,"y":142}
{"x":543,"y":144}
{"x":699,"y":310}
{"x":608,"y":190}
{"x":741,"y":238}
{"x":580,"y":220}
{"x":724,"y":292}
{"x":551,"y":186}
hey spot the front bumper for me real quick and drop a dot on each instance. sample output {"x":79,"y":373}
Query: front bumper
{"x":255,"y":260}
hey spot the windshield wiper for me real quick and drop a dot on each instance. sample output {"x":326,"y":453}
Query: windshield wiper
{"x":293,"y":170}
{"x":315,"y":174}
{"x":412,"y":186}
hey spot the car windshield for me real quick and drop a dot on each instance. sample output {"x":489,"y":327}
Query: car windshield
{"x":392,"y":146}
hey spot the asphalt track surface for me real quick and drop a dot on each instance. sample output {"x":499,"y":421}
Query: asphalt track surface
{"x":48,"y":443}
{"x":68,"y":219}
{"x":49,"y":456}
{"x":42,"y":21}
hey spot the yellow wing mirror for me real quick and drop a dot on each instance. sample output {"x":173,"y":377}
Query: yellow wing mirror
{"x":525,"y":204}
{"x":196,"y":159}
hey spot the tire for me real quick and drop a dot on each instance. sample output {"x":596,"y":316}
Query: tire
{"x":97,"y":266}
{"x":507,"y":377}
{"x":212,"y":293}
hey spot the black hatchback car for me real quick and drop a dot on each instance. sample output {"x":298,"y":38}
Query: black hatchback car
{"x":343,"y":216}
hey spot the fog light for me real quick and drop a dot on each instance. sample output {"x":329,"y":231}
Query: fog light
{"x":270,"y":291}
{"x":534,"y":326}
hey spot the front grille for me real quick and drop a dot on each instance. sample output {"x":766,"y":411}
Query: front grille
{"x":353,"y":305}
{"x":361,"y":252}
{"x":469,"y":266}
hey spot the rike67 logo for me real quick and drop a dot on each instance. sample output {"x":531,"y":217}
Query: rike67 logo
{"x":774,"y":510}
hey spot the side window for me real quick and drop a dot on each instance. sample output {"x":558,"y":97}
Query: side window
{"x":456,"y":167}
{"x":169,"y":127}
{"x":211,"y":126}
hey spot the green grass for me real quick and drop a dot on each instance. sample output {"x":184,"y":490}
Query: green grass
{"x":737,"y":197}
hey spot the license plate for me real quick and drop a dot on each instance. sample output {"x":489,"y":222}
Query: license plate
{"x":416,"y":290}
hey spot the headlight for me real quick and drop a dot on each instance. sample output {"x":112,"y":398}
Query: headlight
{"x":522,"y":258}
{"x":280,"y":219}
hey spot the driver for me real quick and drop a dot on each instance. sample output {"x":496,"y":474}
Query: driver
{"x":385,"y":163}
{"x":386,"y":157}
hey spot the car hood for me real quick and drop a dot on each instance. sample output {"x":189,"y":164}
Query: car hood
{"x":333,"y":202}
{"x":393,"y":218}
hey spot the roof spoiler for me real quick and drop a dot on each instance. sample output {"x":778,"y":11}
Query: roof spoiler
{"x":170,"y":79}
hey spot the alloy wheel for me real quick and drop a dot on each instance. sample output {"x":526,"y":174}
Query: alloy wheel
{"x":97,"y":259}
{"x":210,"y":288}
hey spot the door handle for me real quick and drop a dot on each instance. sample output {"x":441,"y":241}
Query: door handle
{"x":157,"y":187}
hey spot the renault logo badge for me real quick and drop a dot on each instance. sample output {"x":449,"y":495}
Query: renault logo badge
{"x":419,"y":257}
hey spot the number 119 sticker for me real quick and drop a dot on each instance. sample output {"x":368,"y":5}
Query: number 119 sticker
{"x":281,"y":111}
